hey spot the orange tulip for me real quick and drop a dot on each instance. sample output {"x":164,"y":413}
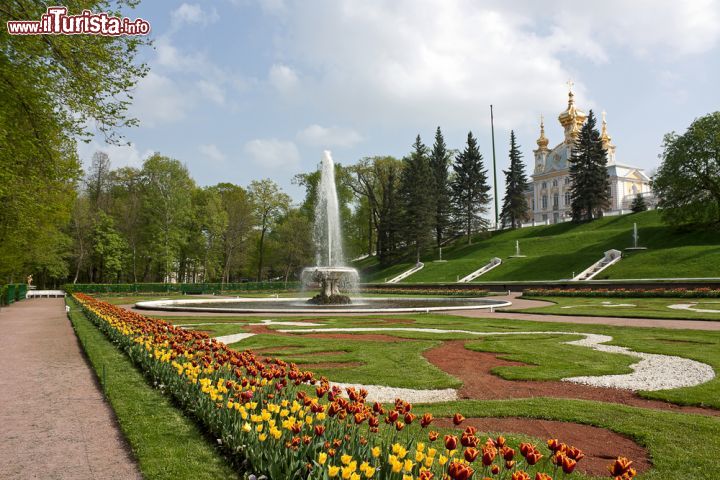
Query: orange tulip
{"x":433,"y":435}
{"x":542,"y":476}
{"x":488,"y":455}
{"x":458,"y":419}
{"x":620,"y":466}
{"x":451,"y":442}
{"x":471,"y":454}
{"x":568,"y":464}
{"x":520,"y":475}
{"x":426,"y":420}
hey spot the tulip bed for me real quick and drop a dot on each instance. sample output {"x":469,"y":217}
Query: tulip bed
{"x":266,"y":414}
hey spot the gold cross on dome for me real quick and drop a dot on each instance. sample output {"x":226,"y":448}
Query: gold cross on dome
{"x":570,"y":84}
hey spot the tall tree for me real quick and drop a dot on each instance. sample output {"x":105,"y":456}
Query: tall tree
{"x":418,"y":202}
{"x":167,"y":208}
{"x":98,"y":181}
{"x":269,"y":204}
{"x":52,"y":87}
{"x":440,"y":159}
{"x":515,"y":207}
{"x":470,"y":188}
{"x":588,"y":173}
{"x":240,"y":220}
{"x":688,"y":180}
{"x":127,"y":203}
{"x":377,"y":179}
{"x":109,"y":247}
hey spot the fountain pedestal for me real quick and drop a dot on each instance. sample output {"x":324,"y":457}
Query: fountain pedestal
{"x":330,"y":280}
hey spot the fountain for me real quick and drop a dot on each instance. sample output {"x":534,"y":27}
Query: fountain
{"x":330,"y":274}
{"x":329,"y":271}
{"x":636,"y":238}
{"x":517,"y":251}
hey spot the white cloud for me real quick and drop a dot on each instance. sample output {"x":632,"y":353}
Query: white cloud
{"x":158,"y":100}
{"x":445,"y":62}
{"x":193,"y":14}
{"x":272,"y":153}
{"x":319,"y":136}
{"x":212,"y":152}
{"x":283,"y":78}
{"x":211,"y":91}
{"x":120,"y":156}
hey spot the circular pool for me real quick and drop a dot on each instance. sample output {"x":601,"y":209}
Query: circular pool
{"x":300,"y":305}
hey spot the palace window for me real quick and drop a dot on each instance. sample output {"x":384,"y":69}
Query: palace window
{"x":544,"y":202}
{"x":567,"y":198}
{"x":544,"y":185}
{"x":556,"y":201}
{"x":567,"y":180}
{"x":555,"y":183}
{"x":533,"y":204}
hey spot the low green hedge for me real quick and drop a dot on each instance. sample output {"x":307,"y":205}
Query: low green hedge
{"x":624,"y":292}
{"x":12,"y":292}
{"x":191,"y":288}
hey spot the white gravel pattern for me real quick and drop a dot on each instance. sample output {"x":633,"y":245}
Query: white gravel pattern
{"x":652,"y":372}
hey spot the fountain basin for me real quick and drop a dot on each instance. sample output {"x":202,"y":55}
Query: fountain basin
{"x":300,"y":305}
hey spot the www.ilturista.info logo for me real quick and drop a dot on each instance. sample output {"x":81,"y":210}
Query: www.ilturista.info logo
{"x":56,"y":21}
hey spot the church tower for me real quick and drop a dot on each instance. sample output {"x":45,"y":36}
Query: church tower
{"x":542,"y":151}
{"x":607,"y":141}
{"x":572,"y":119}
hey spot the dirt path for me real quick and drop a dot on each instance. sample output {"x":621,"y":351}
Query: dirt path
{"x":55,"y":422}
{"x":473,"y":368}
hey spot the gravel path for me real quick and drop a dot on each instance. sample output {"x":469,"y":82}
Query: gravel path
{"x":55,"y":422}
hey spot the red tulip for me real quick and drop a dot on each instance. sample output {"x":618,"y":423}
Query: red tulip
{"x":458,"y":419}
{"x":451,"y":442}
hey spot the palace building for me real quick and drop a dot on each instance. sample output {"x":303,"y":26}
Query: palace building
{"x":549,"y":192}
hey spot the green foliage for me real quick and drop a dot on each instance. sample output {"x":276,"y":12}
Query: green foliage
{"x":688,"y":180}
{"x":51,"y":88}
{"x":638,"y":204}
{"x":588,"y":173}
{"x":470,"y":188}
{"x":515,"y":208}
{"x":440,"y":158}
{"x":109,"y":247}
{"x":417,"y":201}
{"x":269,"y":204}
{"x":377,"y":181}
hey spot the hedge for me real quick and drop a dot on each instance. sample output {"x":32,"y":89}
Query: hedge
{"x":12,"y":292}
{"x":187,"y":288}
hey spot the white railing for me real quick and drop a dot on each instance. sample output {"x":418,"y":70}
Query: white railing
{"x":495,"y":262}
{"x":611,"y":258}
{"x":418,"y":266}
{"x":44,"y":293}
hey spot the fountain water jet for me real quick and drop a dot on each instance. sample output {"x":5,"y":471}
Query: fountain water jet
{"x":329,"y":272}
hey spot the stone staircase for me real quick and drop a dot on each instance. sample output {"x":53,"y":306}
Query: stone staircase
{"x":611,"y":257}
{"x":418,"y":266}
{"x":495,"y":262}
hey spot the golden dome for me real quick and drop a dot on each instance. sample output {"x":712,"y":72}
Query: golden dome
{"x":542,"y":141}
{"x":572,"y":119}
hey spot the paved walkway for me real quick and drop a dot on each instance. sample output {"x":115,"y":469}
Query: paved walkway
{"x":54,"y":422}
{"x":519,"y":303}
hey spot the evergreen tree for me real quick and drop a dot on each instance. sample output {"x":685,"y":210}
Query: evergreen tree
{"x":638,"y":204}
{"x":470,"y":188}
{"x":417,"y":202}
{"x":515,"y":207}
{"x":588,"y":172}
{"x":439,"y":162}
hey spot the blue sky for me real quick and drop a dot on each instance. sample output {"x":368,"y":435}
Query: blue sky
{"x":243,"y":89}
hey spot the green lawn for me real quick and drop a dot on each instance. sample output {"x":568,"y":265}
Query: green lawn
{"x":165,"y":442}
{"x":557,"y":251}
{"x":643,"y":307}
{"x":548,"y":357}
{"x":682,"y":446}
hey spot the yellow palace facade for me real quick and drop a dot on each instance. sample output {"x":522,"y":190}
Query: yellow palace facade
{"x":549,"y":192}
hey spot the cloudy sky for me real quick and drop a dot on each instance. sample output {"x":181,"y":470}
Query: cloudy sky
{"x":244,"y":89}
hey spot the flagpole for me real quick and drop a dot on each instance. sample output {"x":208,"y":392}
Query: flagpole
{"x":492,"y":129}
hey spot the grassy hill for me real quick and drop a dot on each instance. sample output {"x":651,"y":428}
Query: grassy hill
{"x":555,"y":252}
